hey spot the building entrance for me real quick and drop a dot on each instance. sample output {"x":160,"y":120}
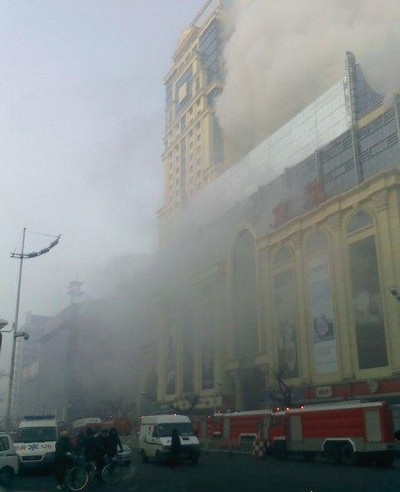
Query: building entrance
{"x":253,"y":387}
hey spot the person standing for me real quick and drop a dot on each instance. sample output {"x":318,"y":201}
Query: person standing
{"x":114,"y":443}
{"x":176,"y":448}
{"x":102,"y":448}
{"x":93,"y":452}
{"x":63,"y":458}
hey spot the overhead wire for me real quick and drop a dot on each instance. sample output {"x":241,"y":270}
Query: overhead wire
{"x":41,"y":234}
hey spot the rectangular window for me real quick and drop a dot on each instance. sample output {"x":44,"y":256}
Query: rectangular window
{"x":207,"y":369}
{"x":375,"y":149}
{"x":188,"y":352}
{"x":285,"y":313}
{"x":170,"y":358}
{"x":367,"y":306}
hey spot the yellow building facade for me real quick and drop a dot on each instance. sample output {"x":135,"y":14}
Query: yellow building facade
{"x":346,"y":249}
{"x":323,"y":315}
{"x":194,"y":153}
{"x":277,"y":290}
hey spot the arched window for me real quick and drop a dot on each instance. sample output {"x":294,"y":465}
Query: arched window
{"x":285,"y":313}
{"x":366,"y":292}
{"x":170,"y":355}
{"x":317,"y":241}
{"x":245,"y":305}
{"x":283,"y":257}
{"x":361,"y":220}
{"x":321,"y":305}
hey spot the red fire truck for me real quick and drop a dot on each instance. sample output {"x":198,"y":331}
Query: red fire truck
{"x":346,"y":432}
{"x":233,"y":429}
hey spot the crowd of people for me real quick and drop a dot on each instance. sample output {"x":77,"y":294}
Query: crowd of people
{"x":93,"y":448}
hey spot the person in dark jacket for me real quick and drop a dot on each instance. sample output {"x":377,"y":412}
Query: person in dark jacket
{"x":102,"y":448}
{"x":63,"y":458}
{"x":93,"y":451}
{"x":114,"y":443}
{"x":176,"y":447}
{"x":90,"y":446}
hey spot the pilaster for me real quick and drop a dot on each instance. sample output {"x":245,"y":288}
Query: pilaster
{"x":303,"y":346}
{"x":342,"y":296}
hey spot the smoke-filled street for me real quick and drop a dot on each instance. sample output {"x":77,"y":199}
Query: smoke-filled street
{"x":200,"y":214}
{"x":240,"y":473}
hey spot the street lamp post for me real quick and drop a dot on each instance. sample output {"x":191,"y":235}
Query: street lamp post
{"x":16,"y":334}
{"x":65,"y":412}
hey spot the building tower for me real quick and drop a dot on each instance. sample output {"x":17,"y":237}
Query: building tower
{"x":194,"y":147}
{"x":75,"y":291}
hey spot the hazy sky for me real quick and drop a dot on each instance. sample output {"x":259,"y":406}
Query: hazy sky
{"x":81,"y":126}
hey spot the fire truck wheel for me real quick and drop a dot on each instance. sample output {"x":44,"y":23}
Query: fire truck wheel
{"x":332,"y":452}
{"x":347,"y":454}
{"x":309,"y":457}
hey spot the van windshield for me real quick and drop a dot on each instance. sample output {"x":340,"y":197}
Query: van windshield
{"x":183,"y":428}
{"x":36,"y":434}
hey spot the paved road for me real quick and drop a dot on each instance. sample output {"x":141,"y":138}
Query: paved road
{"x":222,"y":473}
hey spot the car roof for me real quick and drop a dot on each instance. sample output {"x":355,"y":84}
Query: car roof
{"x":164,"y":419}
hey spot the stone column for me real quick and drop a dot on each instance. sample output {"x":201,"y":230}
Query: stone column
{"x":303,"y":336}
{"x":341,"y":298}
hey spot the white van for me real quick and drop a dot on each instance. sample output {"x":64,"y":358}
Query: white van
{"x":8,"y":460}
{"x":35,"y":441}
{"x":155,"y":437}
{"x":81,"y":425}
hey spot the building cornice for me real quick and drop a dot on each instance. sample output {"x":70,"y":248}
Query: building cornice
{"x":335,"y":207}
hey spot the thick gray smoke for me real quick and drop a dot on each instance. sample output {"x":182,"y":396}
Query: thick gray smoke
{"x":281,"y":55}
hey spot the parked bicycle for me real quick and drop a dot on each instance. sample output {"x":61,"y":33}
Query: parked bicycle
{"x":113,"y":471}
{"x":79,"y":477}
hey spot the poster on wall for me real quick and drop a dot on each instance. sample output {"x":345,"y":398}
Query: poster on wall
{"x":370,"y":332}
{"x":285,"y":310}
{"x":170,"y":359}
{"x":325,"y":349}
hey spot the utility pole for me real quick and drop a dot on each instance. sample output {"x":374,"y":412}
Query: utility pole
{"x":14,"y":340}
{"x":16,"y":334}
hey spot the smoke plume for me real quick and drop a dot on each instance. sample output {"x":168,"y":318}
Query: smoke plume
{"x":281,"y":55}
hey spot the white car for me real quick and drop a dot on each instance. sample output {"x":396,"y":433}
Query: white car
{"x":126,"y":455}
{"x":8,"y":460}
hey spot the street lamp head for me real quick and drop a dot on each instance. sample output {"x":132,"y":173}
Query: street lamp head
{"x":23,"y":334}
